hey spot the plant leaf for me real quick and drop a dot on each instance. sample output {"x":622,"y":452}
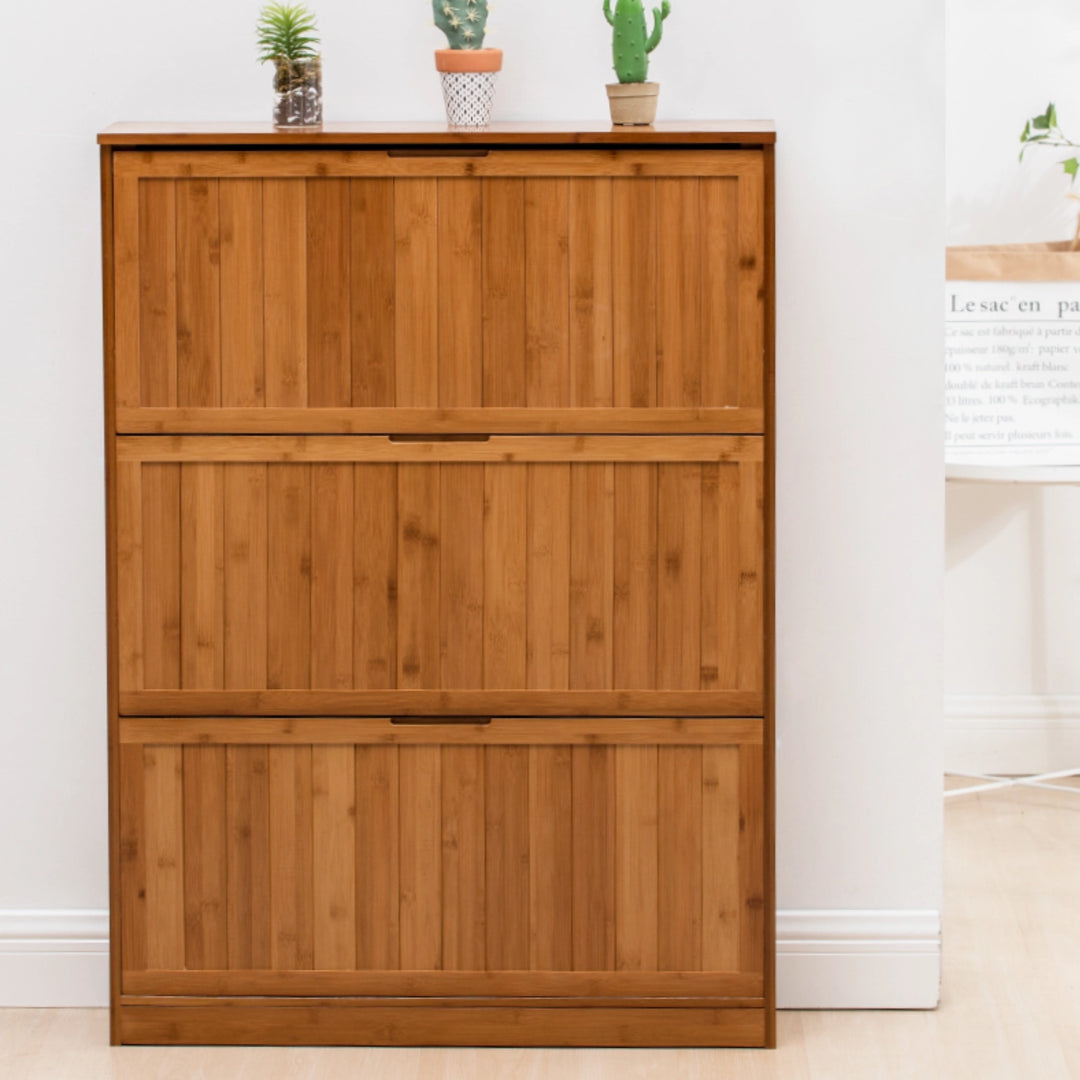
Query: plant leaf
{"x":1071,"y":166}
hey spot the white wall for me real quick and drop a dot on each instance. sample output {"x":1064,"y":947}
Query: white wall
{"x":1013,"y":581}
{"x":857,"y":92}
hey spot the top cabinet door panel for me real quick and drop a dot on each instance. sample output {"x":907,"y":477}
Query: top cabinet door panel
{"x":363,"y":290}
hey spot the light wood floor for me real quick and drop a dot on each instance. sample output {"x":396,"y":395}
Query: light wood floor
{"x":1010,"y":1007}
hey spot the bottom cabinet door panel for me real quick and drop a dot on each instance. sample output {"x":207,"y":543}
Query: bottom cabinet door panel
{"x":565,"y":857}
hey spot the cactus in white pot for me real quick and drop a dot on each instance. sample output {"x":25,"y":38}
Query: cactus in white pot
{"x":468,"y":70}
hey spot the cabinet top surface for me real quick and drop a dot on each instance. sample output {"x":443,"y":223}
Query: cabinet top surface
{"x":669,"y":133}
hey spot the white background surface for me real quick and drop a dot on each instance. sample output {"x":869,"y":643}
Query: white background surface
{"x":857,"y":92}
{"x":1013,"y":581}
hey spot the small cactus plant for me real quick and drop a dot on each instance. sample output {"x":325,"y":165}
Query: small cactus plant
{"x":462,"y":21}
{"x":632,"y":43}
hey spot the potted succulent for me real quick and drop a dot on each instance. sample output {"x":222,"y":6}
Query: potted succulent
{"x":632,"y":99}
{"x":287,"y":38}
{"x":468,"y":70}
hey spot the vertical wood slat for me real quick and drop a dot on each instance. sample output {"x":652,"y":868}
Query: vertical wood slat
{"x":720,"y":933}
{"x":636,"y":884}
{"x":242,"y":251}
{"x":198,"y":291}
{"x":720,"y":569}
{"x":129,"y":574}
{"x":377,"y":858}
{"x":678,"y":305}
{"x":504,"y":291}
{"x":418,"y":576}
{"x":720,"y":327}
{"x":156,"y":323}
{"x":547,"y":285}
{"x":633,"y":264}
{"x":375,"y":576}
{"x":751,"y":796}
{"x":506,"y":832}
{"x":751,"y":290}
{"x":594,"y":857}
{"x":285,"y":310}
{"x":202,"y":568}
{"x":126,"y":270}
{"x":133,"y":866}
{"x":548,"y":572}
{"x":420,"y":867}
{"x":247,"y":809}
{"x":332,"y":553}
{"x":590,"y":284}
{"x":245,"y":576}
{"x":205,"y":885}
{"x":463,"y":858}
{"x":161,"y":575}
{"x":460,"y":293}
{"x":416,"y":311}
{"x":288,"y":510}
{"x":635,"y":571}
{"x":592,"y":558}
{"x":461,"y":575}
{"x":329,"y":350}
{"x":751,"y":573}
{"x":333,"y":784}
{"x":292,"y":938}
{"x":678,"y":609}
{"x":680,"y":856}
{"x":372,"y":284}
{"x":551,"y":859}
{"x":505,"y":576}
{"x":164,"y":794}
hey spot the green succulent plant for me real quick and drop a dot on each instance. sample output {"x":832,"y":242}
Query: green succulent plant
{"x":631,"y":41}
{"x":286,"y":32}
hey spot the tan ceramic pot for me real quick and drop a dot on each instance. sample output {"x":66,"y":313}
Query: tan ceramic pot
{"x":633,"y":103}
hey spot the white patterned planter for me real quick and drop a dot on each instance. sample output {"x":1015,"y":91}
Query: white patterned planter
{"x":469,"y":96}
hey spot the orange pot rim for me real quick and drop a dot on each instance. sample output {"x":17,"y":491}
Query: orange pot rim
{"x":468,"y":59}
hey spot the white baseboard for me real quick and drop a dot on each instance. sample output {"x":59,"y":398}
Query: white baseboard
{"x":825,"y":959}
{"x":858,"y":959}
{"x":54,"y":959}
{"x":1011,"y":734}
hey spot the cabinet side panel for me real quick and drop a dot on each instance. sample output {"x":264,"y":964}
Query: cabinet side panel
{"x":164,"y":794}
{"x":752,"y":270}
{"x":133,"y":868}
{"x":161,"y":576}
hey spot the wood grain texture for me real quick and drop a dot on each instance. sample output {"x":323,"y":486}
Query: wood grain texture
{"x":285,"y":292}
{"x":636,"y":881}
{"x":506,"y":829}
{"x":464,"y":854}
{"x":505,"y":576}
{"x":375,"y":575}
{"x":461,"y":575}
{"x":680,"y":856}
{"x":288,"y":659}
{"x":377,"y":858}
{"x":633,"y":269}
{"x":420,"y":869}
{"x":164,"y":794}
{"x":418,"y":584}
{"x":133,"y":855}
{"x":205,"y":884}
{"x":121,"y":269}
{"x":416,"y":309}
{"x":504,"y":292}
{"x":202,"y":567}
{"x":198,"y":291}
{"x":129,"y":575}
{"x":292,"y":941}
{"x":333,"y":857}
{"x":547,"y":271}
{"x":311,"y":1023}
{"x":634,"y":616}
{"x":156,"y":323}
{"x":332,"y":556}
{"x":161,"y":576}
{"x":592,"y":560}
{"x":329,"y":293}
{"x":371,"y":252}
{"x":247,"y":808}
{"x":720,"y":291}
{"x":245,"y":577}
{"x":590,"y":289}
{"x":460,"y":293}
{"x":720,"y":935}
{"x":679,"y":296}
{"x":243,"y":374}
{"x":547,"y":643}
{"x":551,"y":859}
{"x":594,"y":857}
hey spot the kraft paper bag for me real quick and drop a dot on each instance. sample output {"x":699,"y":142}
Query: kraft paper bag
{"x":1013,"y":262}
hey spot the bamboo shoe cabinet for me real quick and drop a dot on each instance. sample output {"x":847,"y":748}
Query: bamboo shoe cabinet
{"x":439,"y":479}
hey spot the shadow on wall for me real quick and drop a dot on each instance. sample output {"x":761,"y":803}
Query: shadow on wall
{"x":977,"y":513}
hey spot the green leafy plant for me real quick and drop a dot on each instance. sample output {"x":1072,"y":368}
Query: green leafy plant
{"x":464,"y":22}
{"x":1044,"y":130}
{"x":286,"y":33}
{"x":631,"y":42}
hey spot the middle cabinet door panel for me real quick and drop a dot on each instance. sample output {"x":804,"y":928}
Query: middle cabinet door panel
{"x":510,"y":574}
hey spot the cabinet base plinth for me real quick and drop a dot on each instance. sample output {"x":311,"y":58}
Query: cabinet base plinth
{"x":345,"y":1022}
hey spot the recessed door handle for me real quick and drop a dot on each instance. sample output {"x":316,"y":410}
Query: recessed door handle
{"x":415,"y":720}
